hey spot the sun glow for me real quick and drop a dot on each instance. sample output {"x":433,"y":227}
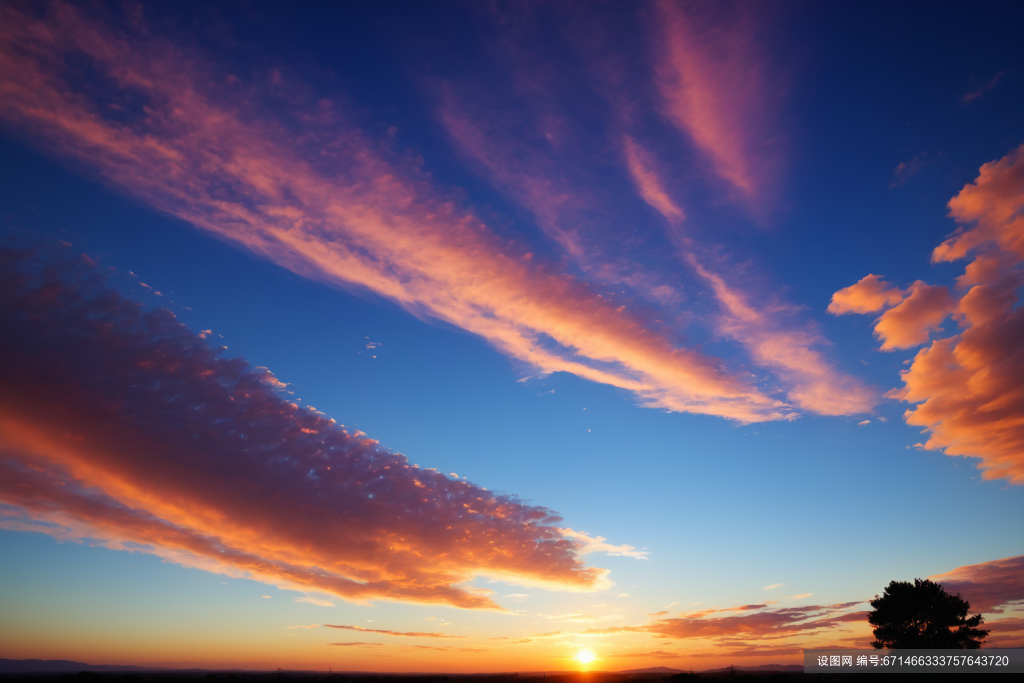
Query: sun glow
{"x":585,"y":657}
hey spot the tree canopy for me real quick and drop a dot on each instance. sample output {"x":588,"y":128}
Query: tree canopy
{"x":922,"y":615}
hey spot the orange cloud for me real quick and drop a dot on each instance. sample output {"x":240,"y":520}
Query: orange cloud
{"x":993,"y":204}
{"x":122,"y":426}
{"x":716,"y":88}
{"x":967,"y":388}
{"x":870,"y":294}
{"x":656,"y":654}
{"x":409,"y":634}
{"x":328,"y":204}
{"x":989,"y":586}
{"x":1005,"y":633}
{"x":910,"y":323}
{"x":358,"y":644}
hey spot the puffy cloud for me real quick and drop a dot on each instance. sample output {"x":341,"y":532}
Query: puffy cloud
{"x":868,"y":295}
{"x":120,"y":425}
{"x":909,"y":323}
{"x":315,"y":195}
{"x":989,"y":586}
{"x":993,"y":204}
{"x":968,"y":388}
{"x":408,"y":634}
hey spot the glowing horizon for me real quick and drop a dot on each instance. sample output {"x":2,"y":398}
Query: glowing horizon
{"x":525,"y":338}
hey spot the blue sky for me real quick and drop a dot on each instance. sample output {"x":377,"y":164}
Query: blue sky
{"x":845,"y":136}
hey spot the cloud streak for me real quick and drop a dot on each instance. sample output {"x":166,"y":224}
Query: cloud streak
{"x":713,"y":79}
{"x":404,"y":634}
{"x":309,"y":191}
{"x":990,"y":587}
{"x":120,"y":425}
{"x":758,"y":624}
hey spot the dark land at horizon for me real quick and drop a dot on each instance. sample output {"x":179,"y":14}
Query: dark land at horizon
{"x":141,"y":674}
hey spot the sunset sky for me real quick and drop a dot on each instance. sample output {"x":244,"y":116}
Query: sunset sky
{"x":471,"y":336}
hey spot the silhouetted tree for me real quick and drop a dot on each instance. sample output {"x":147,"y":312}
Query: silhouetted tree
{"x":923,"y":615}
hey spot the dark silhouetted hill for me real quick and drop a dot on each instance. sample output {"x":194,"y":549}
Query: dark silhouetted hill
{"x":39,"y":666}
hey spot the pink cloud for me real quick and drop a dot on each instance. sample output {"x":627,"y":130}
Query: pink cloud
{"x":648,"y":182}
{"x":541,"y":171}
{"x":967,"y":387}
{"x":988,"y":586}
{"x":761,"y":625}
{"x":122,"y":426}
{"x":991,"y":83}
{"x":773,"y":341}
{"x":717,"y":87}
{"x":330,"y":204}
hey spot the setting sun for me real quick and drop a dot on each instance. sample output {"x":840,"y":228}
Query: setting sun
{"x":585,"y":656}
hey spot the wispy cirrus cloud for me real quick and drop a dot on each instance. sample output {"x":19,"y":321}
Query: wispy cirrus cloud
{"x":310,"y":192}
{"x":550,"y":174}
{"x":120,"y":425}
{"x":758,"y":624}
{"x":384,"y":632}
{"x":359,"y":644}
{"x":717,"y":87}
{"x":648,"y":182}
{"x":988,"y":85}
{"x":965,"y":387}
{"x":776,"y":340}
{"x":591,"y":544}
{"x":655,"y":654}
{"x":315,"y":601}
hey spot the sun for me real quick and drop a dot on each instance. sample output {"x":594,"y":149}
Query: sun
{"x":585,"y":657}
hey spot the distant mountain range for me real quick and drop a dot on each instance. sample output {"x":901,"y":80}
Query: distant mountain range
{"x":30,"y":666}
{"x":791,"y":668}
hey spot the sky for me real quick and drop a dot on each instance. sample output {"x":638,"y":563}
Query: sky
{"x":505,"y":336}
